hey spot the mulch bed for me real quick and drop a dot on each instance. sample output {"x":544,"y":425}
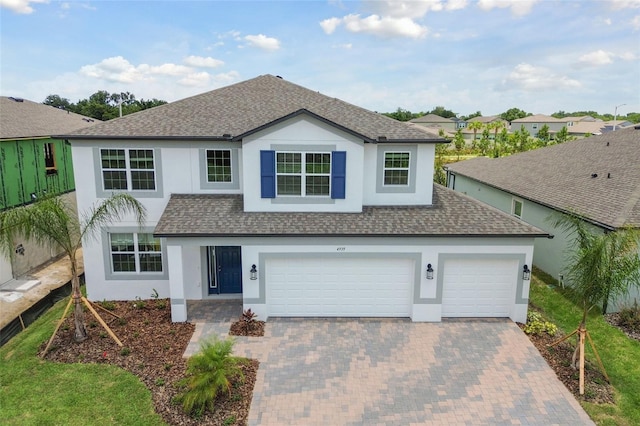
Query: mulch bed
{"x":614,"y":320}
{"x":152,"y":350}
{"x":597,"y":390}
{"x":241,"y":328}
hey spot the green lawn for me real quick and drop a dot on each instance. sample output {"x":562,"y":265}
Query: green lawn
{"x":620,"y":355}
{"x":37,"y":392}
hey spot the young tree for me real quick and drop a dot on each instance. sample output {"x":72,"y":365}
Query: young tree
{"x":502,"y":140}
{"x":600,"y":267}
{"x":51,"y":222}
{"x":483,"y":145}
{"x":543,"y":135}
{"x":475,"y":126}
{"x":458,"y":142}
{"x":562,"y":136}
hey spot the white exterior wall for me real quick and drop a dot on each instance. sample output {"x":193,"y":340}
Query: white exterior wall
{"x":302,"y":131}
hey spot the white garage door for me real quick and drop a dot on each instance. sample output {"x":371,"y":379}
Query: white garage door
{"x":339,"y":287}
{"x":479,"y":287}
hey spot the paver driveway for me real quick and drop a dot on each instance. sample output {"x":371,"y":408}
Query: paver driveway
{"x":395,"y":372}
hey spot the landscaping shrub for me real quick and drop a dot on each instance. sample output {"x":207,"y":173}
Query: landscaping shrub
{"x":537,"y":325}
{"x":630,"y":317}
{"x":209,"y":372}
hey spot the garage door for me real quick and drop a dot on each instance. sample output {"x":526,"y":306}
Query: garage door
{"x":339,"y":287}
{"x":479,"y":287}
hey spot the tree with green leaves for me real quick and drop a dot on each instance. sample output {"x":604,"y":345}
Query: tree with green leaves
{"x":513,"y":114}
{"x":470,"y":116}
{"x":601,"y":266}
{"x":496,"y":126}
{"x":543,"y":135}
{"x":562,"y":136}
{"x":475,"y":126}
{"x":501,"y":142}
{"x":103,"y":105}
{"x":402,"y":114}
{"x":51,"y":222}
{"x":483,"y":145}
{"x":442,"y":112}
{"x":458,"y":142}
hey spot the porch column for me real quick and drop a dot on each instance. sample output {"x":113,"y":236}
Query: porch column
{"x":176,"y":284}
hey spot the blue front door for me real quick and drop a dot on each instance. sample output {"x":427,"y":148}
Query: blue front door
{"x":226,"y":270}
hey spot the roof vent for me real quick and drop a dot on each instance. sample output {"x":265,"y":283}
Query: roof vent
{"x":608,"y":175}
{"x":280,"y":77}
{"x":88,"y":120}
{"x":607,"y":143}
{"x":382,"y":138}
{"x":16,"y":99}
{"x":594,"y":175}
{"x":227,"y":136}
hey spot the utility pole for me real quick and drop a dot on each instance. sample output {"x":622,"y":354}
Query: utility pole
{"x":615,"y":116}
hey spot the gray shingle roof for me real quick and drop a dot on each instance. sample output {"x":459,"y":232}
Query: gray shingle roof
{"x":560,"y":176}
{"x":452,"y":214}
{"x":30,"y":119}
{"x":245,"y":107}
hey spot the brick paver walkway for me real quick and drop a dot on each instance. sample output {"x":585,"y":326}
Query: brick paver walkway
{"x":395,"y":372}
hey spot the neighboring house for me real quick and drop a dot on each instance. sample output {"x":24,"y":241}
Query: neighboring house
{"x":298,"y":203}
{"x":597,"y":178}
{"x":534,"y":123}
{"x":467,"y":133}
{"x":32,"y":163}
{"x":447,"y":124}
{"x":587,"y":126}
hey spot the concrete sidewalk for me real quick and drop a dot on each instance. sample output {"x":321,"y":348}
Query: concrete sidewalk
{"x":51,"y":276}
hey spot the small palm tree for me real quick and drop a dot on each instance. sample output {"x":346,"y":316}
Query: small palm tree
{"x":475,"y":126}
{"x":209,"y":372}
{"x":51,"y":222}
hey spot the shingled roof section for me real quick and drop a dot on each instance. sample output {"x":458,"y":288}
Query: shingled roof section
{"x":452,"y":215}
{"x":20,"y":118}
{"x":596,"y":177}
{"x":239,"y":109}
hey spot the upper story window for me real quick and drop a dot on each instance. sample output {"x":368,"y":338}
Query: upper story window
{"x":50,"y":159}
{"x":219,"y":165}
{"x":534,"y":126}
{"x":303,"y":174}
{"x":396,"y":168}
{"x":135,"y":252}
{"x":516,"y":208}
{"x":128,"y":169}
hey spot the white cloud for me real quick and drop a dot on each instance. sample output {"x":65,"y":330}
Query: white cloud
{"x":263,"y":42}
{"x":202,"y":62}
{"x":384,"y":26}
{"x":635,"y":23}
{"x":528,"y":77}
{"x":198,"y":79}
{"x":330,"y":25}
{"x":456,"y":4}
{"x":115,"y":69}
{"x":625,"y":4}
{"x":518,"y":7}
{"x":20,"y":6}
{"x":608,"y":21}
{"x":597,"y":57}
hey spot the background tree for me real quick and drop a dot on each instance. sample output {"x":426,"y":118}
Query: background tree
{"x":458,"y":142}
{"x":483,"y":145}
{"x":402,"y":114}
{"x":470,"y":116}
{"x":103,"y":105}
{"x":562,"y":136}
{"x":513,"y":114}
{"x":501,"y":142}
{"x":442,"y":112}
{"x":58,"y":102}
{"x":51,"y":222}
{"x":521,"y":139}
{"x":543,"y":135}
{"x":496,"y":126}
{"x":475,"y":126}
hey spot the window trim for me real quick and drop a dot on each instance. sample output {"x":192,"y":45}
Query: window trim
{"x":303,"y":175}
{"x":109,"y":273}
{"x":235,"y":168}
{"x":157,"y":168}
{"x":413,"y":156}
{"x":514,"y":203}
{"x":385,"y":169}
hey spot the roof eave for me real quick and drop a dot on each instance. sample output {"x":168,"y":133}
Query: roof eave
{"x":351,"y":235}
{"x":146,"y":138}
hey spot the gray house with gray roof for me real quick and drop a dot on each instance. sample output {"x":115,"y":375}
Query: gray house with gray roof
{"x":597,"y":178}
{"x":297,"y":203}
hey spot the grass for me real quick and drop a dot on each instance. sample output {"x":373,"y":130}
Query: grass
{"x":620,"y":354}
{"x":38,"y":392}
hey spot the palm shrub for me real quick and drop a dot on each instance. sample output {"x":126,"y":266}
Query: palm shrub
{"x":209,"y":372}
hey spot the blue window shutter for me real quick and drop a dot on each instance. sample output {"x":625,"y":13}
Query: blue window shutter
{"x":338,"y":173}
{"x":268,"y":174}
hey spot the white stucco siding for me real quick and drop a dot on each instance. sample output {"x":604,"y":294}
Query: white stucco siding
{"x":302,"y":133}
{"x":420,"y":189}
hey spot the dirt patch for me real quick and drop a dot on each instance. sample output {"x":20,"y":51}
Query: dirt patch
{"x":597,"y":390}
{"x":242,"y":328}
{"x":152,"y":350}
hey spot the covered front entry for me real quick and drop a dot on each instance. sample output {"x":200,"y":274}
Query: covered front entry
{"x":339,"y":287}
{"x":479,"y":287}
{"x":225,"y":269}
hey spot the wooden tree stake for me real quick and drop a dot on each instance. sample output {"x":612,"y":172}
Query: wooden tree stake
{"x":64,"y":314}
{"x":582,"y":333}
{"x":100,"y":320}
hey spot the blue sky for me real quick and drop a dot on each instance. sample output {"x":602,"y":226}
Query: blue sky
{"x":489,"y":55}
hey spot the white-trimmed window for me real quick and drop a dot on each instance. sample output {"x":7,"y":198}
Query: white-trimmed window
{"x":219,"y":165}
{"x":135,"y":252}
{"x":396,"y":168}
{"x":516,"y":208}
{"x":128,"y":169}
{"x":303,"y":174}
{"x":534,"y":126}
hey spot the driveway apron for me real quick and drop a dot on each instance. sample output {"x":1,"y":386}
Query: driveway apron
{"x":395,"y":372}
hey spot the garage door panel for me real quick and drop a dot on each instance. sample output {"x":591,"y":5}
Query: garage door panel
{"x":479,"y":287}
{"x":339,"y":287}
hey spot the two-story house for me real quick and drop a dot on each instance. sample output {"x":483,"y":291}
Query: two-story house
{"x":33,"y":163}
{"x":534,"y":123}
{"x":298,"y":203}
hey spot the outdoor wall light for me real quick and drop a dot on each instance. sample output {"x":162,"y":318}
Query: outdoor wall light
{"x":429,"y":272}
{"x":253,"y":272}
{"x":526,"y":273}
